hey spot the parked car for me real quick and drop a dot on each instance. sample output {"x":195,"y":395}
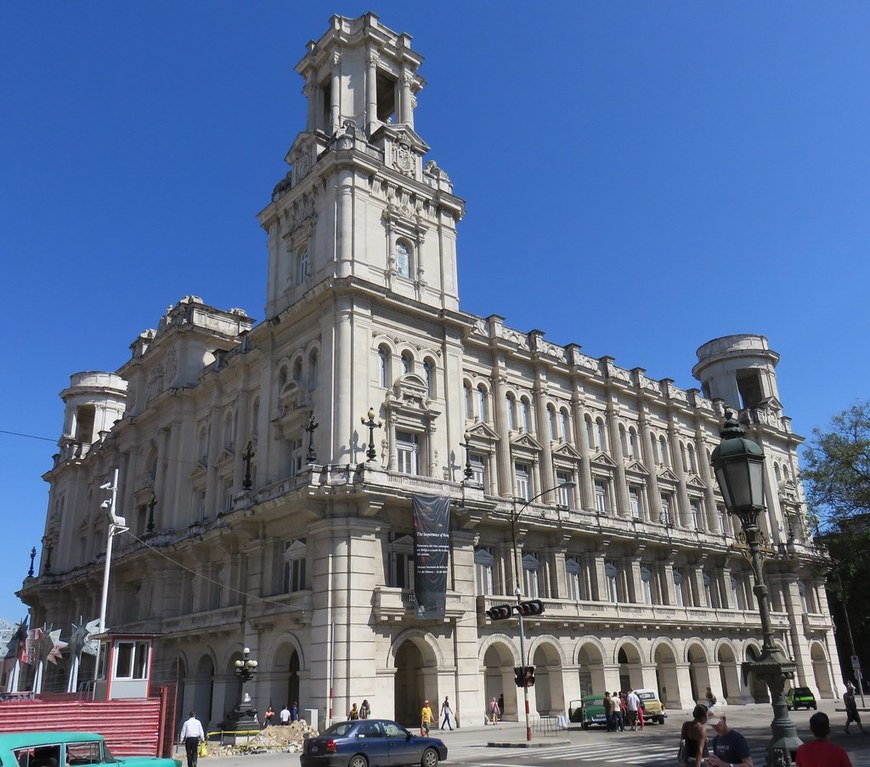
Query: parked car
{"x":653,"y":708}
{"x":370,"y":743}
{"x":800,"y":697}
{"x":587,"y":711}
{"x":53,"y":749}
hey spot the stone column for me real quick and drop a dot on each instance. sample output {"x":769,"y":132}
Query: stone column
{"x":623,"y":508}
{"x":372,"y":91}
{"x":503,"y":447}
{"x":683,"y":515}
{"x":587,"y":488}
{"x":654,"y":499}
{"x":335,"y":95}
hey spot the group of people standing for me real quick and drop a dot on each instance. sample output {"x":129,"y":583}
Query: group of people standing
{"x":363,"y":712}
{"x":728,"y":747}
{"x":623,"y":710}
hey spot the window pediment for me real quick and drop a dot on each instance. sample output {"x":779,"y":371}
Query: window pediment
{"x":695,"y":481}
{"x":602,"y":460}
{"x":564,"y":450}
{"x":666,"y":475}
{"x":482,"y":433}
{"x":409,"y":401}
{"x":636,"y":467}
{"x":525,"y":442}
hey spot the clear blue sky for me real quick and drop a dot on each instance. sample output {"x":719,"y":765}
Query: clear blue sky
{"x":641,"y":177}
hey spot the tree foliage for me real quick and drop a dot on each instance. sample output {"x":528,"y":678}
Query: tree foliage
{"x":837,"y":468}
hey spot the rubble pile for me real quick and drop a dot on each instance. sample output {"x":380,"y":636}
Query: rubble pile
{"x":277,"y":738}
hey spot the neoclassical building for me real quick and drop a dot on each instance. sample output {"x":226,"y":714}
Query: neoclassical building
{"x":259,"y":518}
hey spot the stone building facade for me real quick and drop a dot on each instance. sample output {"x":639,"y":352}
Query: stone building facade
{"x":251,"y":527}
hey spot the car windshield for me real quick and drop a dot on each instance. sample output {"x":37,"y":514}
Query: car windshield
{"x":646,"y":695}
{"x":802,"y":691}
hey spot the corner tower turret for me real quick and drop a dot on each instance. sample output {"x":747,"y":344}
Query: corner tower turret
{"x":740,"y":370}
{"x":358,"y":202}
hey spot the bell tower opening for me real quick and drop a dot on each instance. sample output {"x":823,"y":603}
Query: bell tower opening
{"x":749,"y":387}
{"x":386,"y":95}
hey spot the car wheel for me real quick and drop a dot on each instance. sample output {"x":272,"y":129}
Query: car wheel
{"x":358,"y":760}
{"x":429,"y":758}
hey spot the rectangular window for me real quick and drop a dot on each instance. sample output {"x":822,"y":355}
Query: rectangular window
{"x":131,"y":660}
{"x":634,"y":501}
{"x":228,"y":494}
{"x":408,"y":452}
{"x":695,"y":508}
{"x":301,"y":266}
{"x":524,"y":485}
{"x":666,"y":518}
{"x":566,"y":494}
{"x":478,"y":469}
{"x":602,"y":499}
{"x":296,"y":455}
{"x":402,"y":570}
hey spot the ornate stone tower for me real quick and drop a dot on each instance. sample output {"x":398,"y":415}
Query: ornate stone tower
{"x":357,"y":202}
{"x":362,"y":251}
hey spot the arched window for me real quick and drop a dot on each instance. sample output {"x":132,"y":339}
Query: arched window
{"x":664,"y":457}
{"x":255,"y":416}
{"x":469,"y":401}
{"x":601,"y":434}
{"x":297,"y":370}
{"x":230,"y":430}
{"x":526,"y":414}
{"x":632,"y":444}
{"x":383,"y":366}
{"x":282,"y":377}
{"x":693,"y":463}
{"x":551,"y":419}
{"x":202,"y":445}
{"x":590,"y":433}
{"x":301,"y":265}
{"x":429,"y":376}
{"x":511,"y":412}
{"x":403,"y":259}
{"x":407,"y":363}
{"x":313,"y":370}
{"x":565,"y":425}
{"x":481,"y":403}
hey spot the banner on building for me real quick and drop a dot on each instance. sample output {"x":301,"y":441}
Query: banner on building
{"x":431,"y":550}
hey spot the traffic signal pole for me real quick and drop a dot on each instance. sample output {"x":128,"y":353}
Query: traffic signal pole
{"x":523,"y":664}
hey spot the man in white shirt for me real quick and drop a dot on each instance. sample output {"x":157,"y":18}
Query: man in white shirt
{"x":633,"y":703}
{"x":284,"y":715}
{"x":191,"y":735}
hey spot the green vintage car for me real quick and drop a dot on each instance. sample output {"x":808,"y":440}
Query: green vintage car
{"x":800,"y":697}
{"x":66,"y":749}
{"x":587,"y":711}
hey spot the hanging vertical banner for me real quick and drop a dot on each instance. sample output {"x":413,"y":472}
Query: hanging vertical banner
{"x":431,"y":549}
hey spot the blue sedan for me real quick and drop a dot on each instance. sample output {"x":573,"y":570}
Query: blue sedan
{"x":371,"y":743}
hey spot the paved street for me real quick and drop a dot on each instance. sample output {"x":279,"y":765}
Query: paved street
{"x":655,"y":746}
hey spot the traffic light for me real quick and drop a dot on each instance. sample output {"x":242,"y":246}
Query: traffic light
{"x":529,"y":676}
{"x":499,"y":612}
{"x":532,"y":607}
{"x":520,"y":675}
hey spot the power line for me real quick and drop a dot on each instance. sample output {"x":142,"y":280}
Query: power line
{"x":26,"y":436}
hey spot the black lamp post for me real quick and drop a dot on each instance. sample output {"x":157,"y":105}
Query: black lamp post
{"x":739,"y":466}
{"x":467,"y":445}
{"x":244,"y":715}
{"x":372,"y":424}
{"x":518,"y":593}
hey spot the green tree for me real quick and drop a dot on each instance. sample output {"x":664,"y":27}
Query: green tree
{"x":837,"y":469}
{"x":837,"y":480}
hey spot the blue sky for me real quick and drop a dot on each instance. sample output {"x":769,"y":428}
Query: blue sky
{"x":640,"y":178}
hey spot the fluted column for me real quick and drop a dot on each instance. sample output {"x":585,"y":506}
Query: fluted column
{"x":503,"y":448}
{"x":587,"y":489}
{"x":372,"y":92}
{"x":622,"y":506}
{"x":335,"y":94}
{"x":684,"y":514}
{"x":654,"y":498}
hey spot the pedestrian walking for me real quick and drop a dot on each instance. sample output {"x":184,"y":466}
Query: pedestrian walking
{"x":353,"y":713}
{"x":852,"y":714}
{"x":269,"y":717}
{"x":365,"y":710}
{"x":192,"y":735}
{"x":426,"y":718}
{"x":632,"y":703}
{"x":284,"y":715}
{"x":445,"y":714}
{"x":608,"y":712}
{"x":693,"y":738}
{"x":493,"y":710}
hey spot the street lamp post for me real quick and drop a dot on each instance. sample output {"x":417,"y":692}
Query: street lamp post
{"x":372,"y":424}
{"x":244,"y":715}
{"x":518,"y":593}
{"x":739,"y":466}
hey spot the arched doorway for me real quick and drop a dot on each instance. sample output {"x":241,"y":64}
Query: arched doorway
{"x":284,"y":681}
{"x":699,"y":672}
{"x":821,"y":670}
{"x":203,"y":690}
{"x":756,"y":687}
{"x":549,"y":692}
{"x":591,"y":663}
{"x":630,"y":672}
{"x":729,"y":676}
{"x":409,"y":691}
{"x":498,"y":680}
{"x":666,"y":675}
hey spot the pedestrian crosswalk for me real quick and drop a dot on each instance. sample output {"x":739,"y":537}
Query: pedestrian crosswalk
{"x":628,"y":753}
